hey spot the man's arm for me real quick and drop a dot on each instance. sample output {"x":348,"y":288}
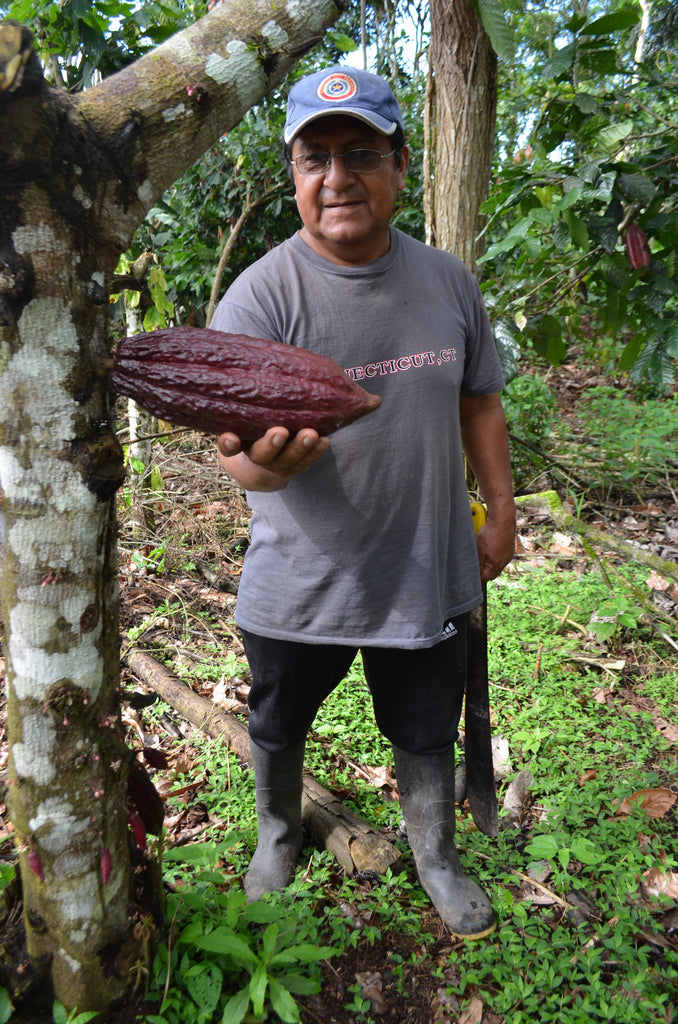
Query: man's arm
{"x":269,"y":463}
{"x":485,"y":441}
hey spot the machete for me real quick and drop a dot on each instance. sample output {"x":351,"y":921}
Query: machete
{"x":480,"y":789}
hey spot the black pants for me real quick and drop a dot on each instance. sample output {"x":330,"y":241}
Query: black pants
{"x":417,"y":694}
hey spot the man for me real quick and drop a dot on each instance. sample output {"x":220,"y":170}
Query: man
{"x":364,"y":541}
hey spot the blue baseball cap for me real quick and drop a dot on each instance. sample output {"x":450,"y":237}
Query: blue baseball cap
{"x":342,"y":90}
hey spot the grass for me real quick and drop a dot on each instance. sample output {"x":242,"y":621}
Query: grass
{"x":588,"y":943}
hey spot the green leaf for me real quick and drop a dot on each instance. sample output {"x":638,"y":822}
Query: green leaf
{"x":586,"y":102}
{"x":560,"y":62}
{"x":542,"y":848}
{"x":577,"y":228}
{"x":638,"y":187}
{"x":270,"y":938}
{"x":236,"y":1008}
{"x":342,"y":42}
{"x":612,"y":23}
{"x":193,"y":930}
{"x":258,"y":986}
{"x":223,"y":940}
{"x":508,"y":350}
{"x":614,"y":134}
{"x":205,"y":988}
{"x":5,"y":1006}
{"x":586,"y":851}
{"x":260,"y":912}
{"x":631,"y":352}
{"x":306,"y":953}
{"x":59,"y":1013}
{"x":197,"y":854}
{"x":283,"y":1003}
{"x":301,"y":984}
{"x":671,"y":340}
{"x":498,"y":29}
{"x":593,"y":125}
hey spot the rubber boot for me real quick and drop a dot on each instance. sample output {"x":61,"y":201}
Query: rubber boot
{"x":426,"y":786}
{"x":278,"y":779}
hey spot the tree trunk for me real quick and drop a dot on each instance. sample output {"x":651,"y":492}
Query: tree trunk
{"x":78,"y":174}
{"x":460,"y":118}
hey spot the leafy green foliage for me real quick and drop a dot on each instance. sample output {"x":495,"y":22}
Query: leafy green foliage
{"x":615,"y":442}
{"x":530,"y":408}
{"x":494,"y":22}
{"x":61,"y":1015}
{"x":80,"y":41}
{"x":638,"y":440}
{"x":599,"y":158}
{"x":229,"y":955}
{"x":228,"y":959}
{"x":192,"y":222}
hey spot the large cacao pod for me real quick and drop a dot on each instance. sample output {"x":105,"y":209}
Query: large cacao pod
{"x":637,"y":249}
{"x":216,"y":382}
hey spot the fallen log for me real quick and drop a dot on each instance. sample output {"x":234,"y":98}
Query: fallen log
{"x":356,"y":845}
{"x":550,"y":503}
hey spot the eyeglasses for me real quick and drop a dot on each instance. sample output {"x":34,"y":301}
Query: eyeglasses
{"x":358,"y":161}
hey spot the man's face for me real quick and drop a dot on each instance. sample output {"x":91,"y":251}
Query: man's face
{"x":346,"y":214}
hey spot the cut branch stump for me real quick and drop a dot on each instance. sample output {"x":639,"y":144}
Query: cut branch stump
{"x":356,"y":845}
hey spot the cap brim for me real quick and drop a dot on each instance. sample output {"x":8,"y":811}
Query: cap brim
{"x":380,"y":124}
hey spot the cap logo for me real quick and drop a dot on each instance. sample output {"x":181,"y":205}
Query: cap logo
{"x":337,"y":87}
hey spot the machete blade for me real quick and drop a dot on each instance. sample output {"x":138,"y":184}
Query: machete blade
{"x":480,"y":788}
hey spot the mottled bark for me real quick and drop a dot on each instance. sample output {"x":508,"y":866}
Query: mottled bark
{"x":78,"y":174}
{"x":460,"y":119}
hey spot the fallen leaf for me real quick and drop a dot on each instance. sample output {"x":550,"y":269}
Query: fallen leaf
{"x":501,"y":761}
{"x":380,"y":777}
{"x":473,"y":1014}
{"x":584,"y":907}
{"x":529,"y":894}
{"x":655,"y":802}
{"x":562,"y":543}
{"x":517,"y":795}
{"x":657,"y":582}
{"x":587,"y":776}
{"x":661,"y":883}
{"x":370,"y":982}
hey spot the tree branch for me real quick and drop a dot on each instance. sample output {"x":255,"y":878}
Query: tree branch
{"x":250,"y":207}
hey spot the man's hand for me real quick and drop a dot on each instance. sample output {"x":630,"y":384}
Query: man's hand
{"x":496,"y":547}
{"x":485,"y":439}
{"x":269,"y":463}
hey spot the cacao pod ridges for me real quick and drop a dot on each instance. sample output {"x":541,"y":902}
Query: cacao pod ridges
{"x":637,"y":248}
{"x":215,"y":382}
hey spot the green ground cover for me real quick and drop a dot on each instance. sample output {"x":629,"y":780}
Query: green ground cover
{"x":591,"y":941}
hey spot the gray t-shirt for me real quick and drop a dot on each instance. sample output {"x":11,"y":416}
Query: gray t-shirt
{"x":374,"y":544}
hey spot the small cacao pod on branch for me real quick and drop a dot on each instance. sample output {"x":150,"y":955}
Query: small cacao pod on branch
{"x":637,"y":249}
{"x":215,"y":382}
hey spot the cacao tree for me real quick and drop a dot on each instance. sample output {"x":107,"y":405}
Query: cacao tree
{"x":79,"y":172}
